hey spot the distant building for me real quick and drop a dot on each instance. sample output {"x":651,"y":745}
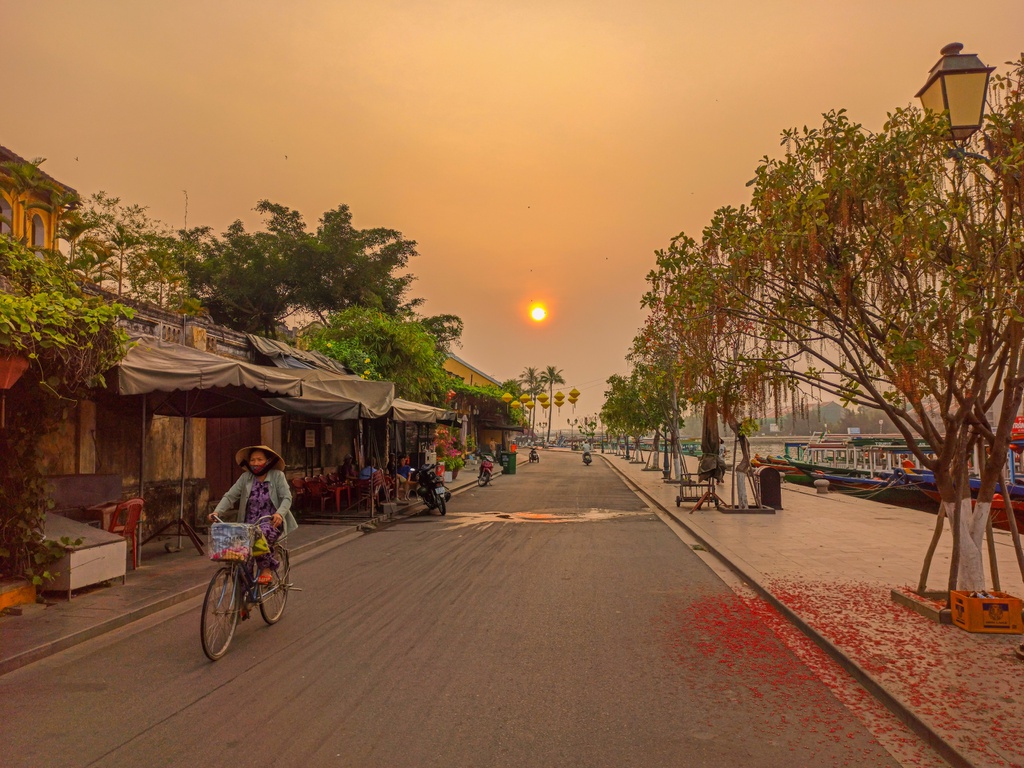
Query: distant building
{"x":470,"y":375}
{"x":27,"y":211}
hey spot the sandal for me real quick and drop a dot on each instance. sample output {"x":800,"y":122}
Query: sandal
{"x":265,"y":578}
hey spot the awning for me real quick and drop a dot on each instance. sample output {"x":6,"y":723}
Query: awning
{"x":418,"y":413}
{"x":337,"y":396}
{"x":286,"y":356}
{"x":182,"y":381}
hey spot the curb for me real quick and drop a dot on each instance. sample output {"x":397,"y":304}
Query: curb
{"x":52,"y":647}
{"x":907,"y":716}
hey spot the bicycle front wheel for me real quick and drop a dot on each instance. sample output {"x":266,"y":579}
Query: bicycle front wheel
{"x":220,"y":613}
{"x":274,"y":595}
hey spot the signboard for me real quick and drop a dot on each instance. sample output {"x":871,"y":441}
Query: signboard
{"x":853,"y":430}
{"x":311,"y":438}
{"x":1018,"y":427}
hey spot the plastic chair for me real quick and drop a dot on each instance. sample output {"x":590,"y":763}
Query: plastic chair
{"x":318,"y":491}
{"x":129,"y":529}
{"x":300,"y":494}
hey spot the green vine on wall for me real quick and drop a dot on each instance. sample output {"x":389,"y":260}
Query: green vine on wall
{"x":70,"y":340}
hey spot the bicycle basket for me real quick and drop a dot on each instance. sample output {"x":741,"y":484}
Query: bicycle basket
{"x":230,"y":541}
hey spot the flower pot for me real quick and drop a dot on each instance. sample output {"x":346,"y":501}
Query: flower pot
{"x":455,"y":474}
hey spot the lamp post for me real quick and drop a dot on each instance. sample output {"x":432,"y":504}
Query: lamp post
{"x":957,"y":86}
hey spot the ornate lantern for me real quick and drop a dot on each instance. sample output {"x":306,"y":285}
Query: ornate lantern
{"x":957,"y":85}
{"x":507,"y":398}
{"x":573,"y":393}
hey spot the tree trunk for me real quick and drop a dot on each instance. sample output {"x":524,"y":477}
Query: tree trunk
{"x":970,"y":574}
{"x":922,"y":583}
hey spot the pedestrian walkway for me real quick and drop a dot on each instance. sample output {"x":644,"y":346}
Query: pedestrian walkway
{"x":832,"y":562}
{"x":164,"y":579}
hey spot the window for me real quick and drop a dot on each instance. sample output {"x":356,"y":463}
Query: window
{"x":6,"y":216}
{"x":38,"y":231}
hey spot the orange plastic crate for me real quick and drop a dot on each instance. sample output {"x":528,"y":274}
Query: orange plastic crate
{"x":1000,"y":613}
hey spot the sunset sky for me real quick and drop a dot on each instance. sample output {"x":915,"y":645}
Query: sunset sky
{"x":539,"y":152}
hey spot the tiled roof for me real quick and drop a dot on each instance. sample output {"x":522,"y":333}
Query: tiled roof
{"x":7,"y":155}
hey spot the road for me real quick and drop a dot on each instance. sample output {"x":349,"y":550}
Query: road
{"x":550,"y":619}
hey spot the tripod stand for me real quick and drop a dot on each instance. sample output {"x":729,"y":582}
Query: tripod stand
{"x":710,"y":496}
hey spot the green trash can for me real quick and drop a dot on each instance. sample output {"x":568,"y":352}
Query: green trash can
{"x":511,"y":468}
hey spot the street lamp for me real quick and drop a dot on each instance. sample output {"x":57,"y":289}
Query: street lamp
{"x":957,"y":86}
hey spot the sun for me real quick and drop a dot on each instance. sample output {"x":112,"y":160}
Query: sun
{"x":538,"y":313}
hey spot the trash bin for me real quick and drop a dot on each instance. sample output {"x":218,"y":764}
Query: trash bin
{"x":508,"y":462}
{"x":770,"y":480}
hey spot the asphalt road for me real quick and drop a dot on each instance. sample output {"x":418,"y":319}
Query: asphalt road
{"x":550,"y":619}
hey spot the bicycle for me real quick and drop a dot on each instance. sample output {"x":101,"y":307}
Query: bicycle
{"x":235,"y":590}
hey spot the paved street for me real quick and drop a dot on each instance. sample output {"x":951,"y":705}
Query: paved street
{"x":550,"y":619}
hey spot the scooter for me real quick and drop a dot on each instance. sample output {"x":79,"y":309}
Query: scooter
{"x":431,"y":489}
{"x":587,"y":458}
{"x":534,"y":456}
{"x":486,"y":468}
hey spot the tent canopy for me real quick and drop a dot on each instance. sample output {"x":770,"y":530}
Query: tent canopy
{"x":418,"y":413}
{"x":286,"y":356}
{"x":182,"y":381}
{"x":337,"y":396}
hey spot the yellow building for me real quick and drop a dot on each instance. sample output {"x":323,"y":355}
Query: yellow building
{"x":470,"y":375}
{"x":30,"y":202}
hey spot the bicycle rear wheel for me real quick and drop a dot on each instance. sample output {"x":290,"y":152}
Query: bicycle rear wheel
{"x":274,"y":595}
{"x":220,"y":613}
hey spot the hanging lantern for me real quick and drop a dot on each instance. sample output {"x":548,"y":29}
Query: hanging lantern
{"x":559,"y":395}
{"x":573,"y":398}
{"x":11,"y":368}
{"x":524,"y":398}
{"x":545,"y":405}
{"x":507,"y":398}
{"x":542,"y":396}
{"x":531,"y":405}
{"x":517,"y":405}
{"x":451,"y":395}
{"x":573,"y":393}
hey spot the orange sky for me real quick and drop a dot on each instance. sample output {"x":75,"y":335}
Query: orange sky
{"x":537,"y":151}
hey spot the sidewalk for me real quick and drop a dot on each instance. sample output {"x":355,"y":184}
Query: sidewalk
{"x":829,"y":563}
{"x":163,"y":580}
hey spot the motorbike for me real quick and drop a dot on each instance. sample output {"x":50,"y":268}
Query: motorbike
{"x":430,"y":488}
{"x":534,"y":456}
{"x":587,"y":458}
{"x":486,"y":468}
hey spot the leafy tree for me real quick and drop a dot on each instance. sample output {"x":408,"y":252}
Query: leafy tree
{"x":399,"y":350}
{"x":877,"y":269}
{"x":446,"y":330}
{"x":254,"y":281}
{"x":69,"y":340}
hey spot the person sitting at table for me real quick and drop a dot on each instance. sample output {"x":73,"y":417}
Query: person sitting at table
{"x":406,"y":478}
{"x":347,"y":471}
{"x":369,"y":472}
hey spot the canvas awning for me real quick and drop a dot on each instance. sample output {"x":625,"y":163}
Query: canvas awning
{"x":182,"y":381}
{"x":417,"y":413}
{"x":337,"y":396}
{"x":286,"y":356}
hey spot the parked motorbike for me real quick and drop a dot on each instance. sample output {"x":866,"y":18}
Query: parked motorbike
{"x":486,"y":468}
{"x":587,"y":458}
{"x":430,"y":488}
{"x":534,"y":456}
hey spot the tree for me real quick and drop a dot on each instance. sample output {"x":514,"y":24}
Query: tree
{"x":254,"y":281}
{"x":550,"y":377}
{"x":399,"y":350}
{"x":530,"y":380}
{"x":28,"y":188}
{"x":70,"y":340}
{"x":875,"y":268}
{"x":628,"y":410}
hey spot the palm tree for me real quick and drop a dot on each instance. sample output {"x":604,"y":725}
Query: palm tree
{"x":530,"y":379}
{"x":551,"y":377}
{"x":72,"y":228}
{"x":25,"y":184}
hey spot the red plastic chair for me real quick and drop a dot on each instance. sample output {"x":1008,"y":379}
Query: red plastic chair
{"x":300,"y":494}
{"x":318,"y":491}
{"x":132,"y":510}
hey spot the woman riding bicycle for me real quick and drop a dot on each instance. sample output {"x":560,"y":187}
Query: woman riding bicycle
{"x":266,"y":493}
